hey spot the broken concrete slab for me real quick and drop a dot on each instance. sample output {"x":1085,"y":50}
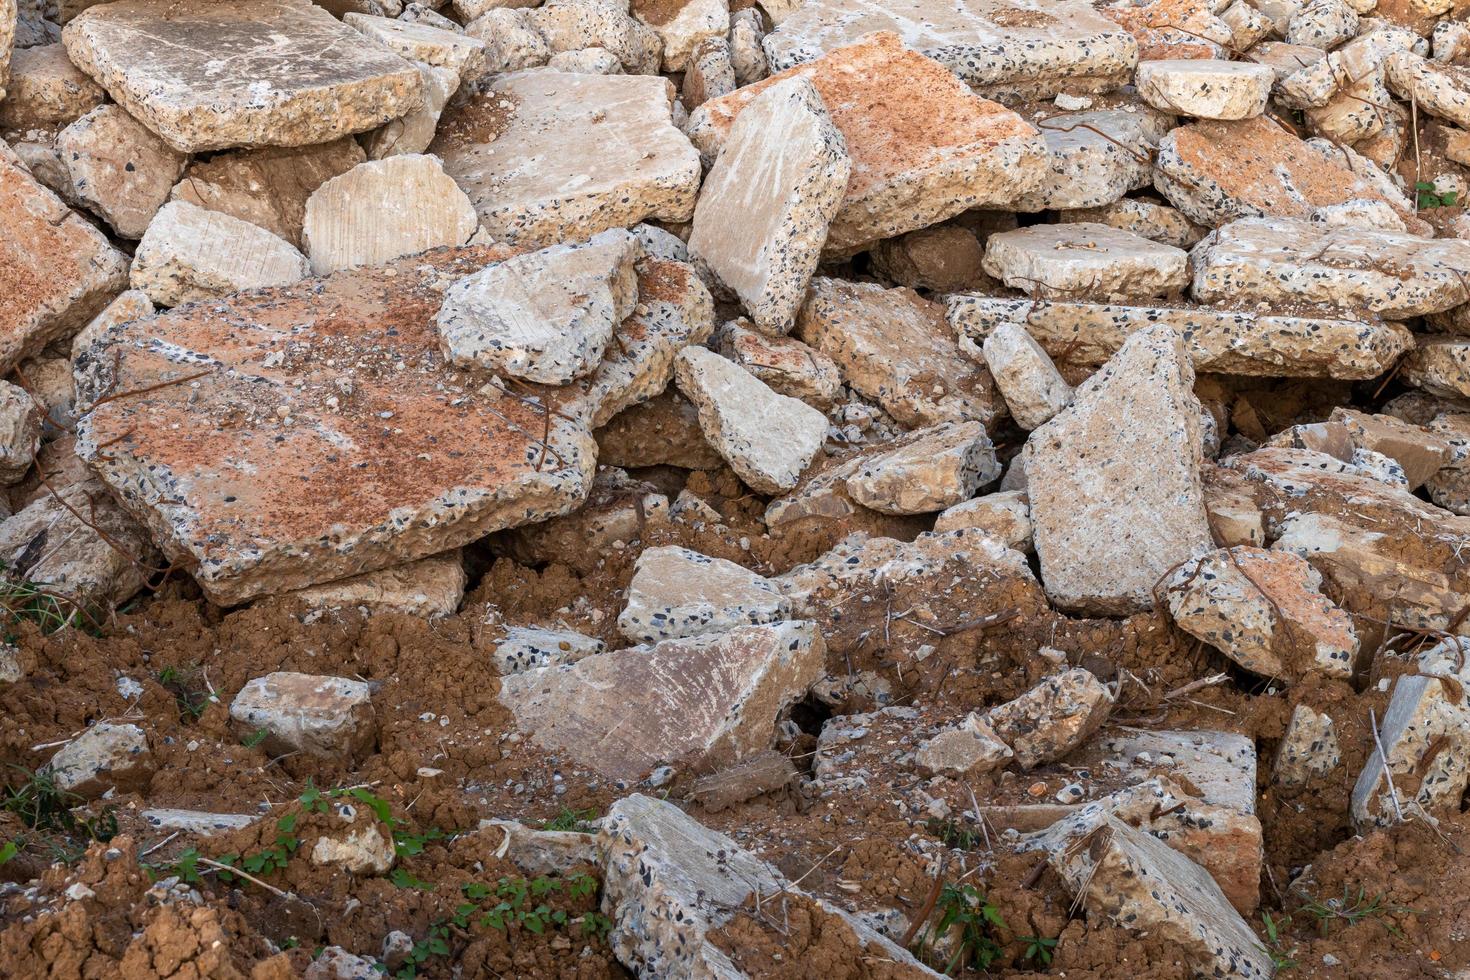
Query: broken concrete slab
{"x":1320,"y":343}
{"x":1094,"y":157}
{"x":429,"y":588}
{"x":670,"y":884}
{"x":935,"y":468}
{"x":1322,"y":24}
{"x":189,"y":254}
{"x":896,"y":348}
{"x":763,"y":212}
{"x":177,"y":69}
{"x":619,"y":512}
{"x":573,"y":25}
{"x":1423,"y":734}
{"x":435,"y":46}
{"x":1157,"y":222}
{"x":528,"y":648}
{"x":747,"y":56}
{"x":910,"y":169}
{"x":1288,"y":260}
{"x":384,"y":209}
{"x":1004,"y":516}
{"x":1439,"y":89}
{"x":1217,"y":171}
{"x":709,"y":74}
{"x":683,"y":26}
{"x":1082,"y":259}
{"x":534,"y":185}
{"x":328,"y":717}
{"x":20,"y":432}
{"x":785,"y":364}
{"x":104,"y":757}
{"x":119,"y":170}
{"x":1309,"y":749}
{"x":268,"y":187}
{"x":46,"y":89}
{"x":56,"y":270}
{"x":995,"y":46}
{"x":544,"y":316}
{"x":1205,"y":89}
{"x":414,"y":132}
{"x":1032,"y":386}
{"x":701,"y":702}
{"x":676,"y":592}
{"x":1265,"y":611}
{"x":512,"y":41}
{"x":1114,"y":480}
{"x":768,"y":439}
{"x":1052,"y":718}
{"x":311,"y":391}
{"x":966,"y":749}
{"x":199,"y":823}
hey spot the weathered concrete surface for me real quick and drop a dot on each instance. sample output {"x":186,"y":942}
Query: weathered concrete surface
{"x":768,"y":439}
{"x":1080,"y":259}
{"x":1286,"y":260}
{"x":190,"y":254}
{"x":330,"y":717}
{"x":104,"y":757}
{"x":414,"y":132}
{"x":785,"y":364}
{"x":994,"y":46}
{"x":1096,"y":156}
{"x":1439,"y":364}
{"x":1052,"y":718}
{"x":682,"y":26}
{"x":119,"y":170}
{"x":1206,"y":89}
{"x":1114,"y":480}
{"x":1219,"y":171}
{"x":1156,"y":222}
{"x":268,"y":187}
{"x":934,"y":468}
{"x":550,"y":156}
{"x":1033,"y":388}
{"x":1309,"y":749}
{"x":966,"y":749}
{"x":1315,"y":343}
{"x":1004,"y":516}
{"x":692,"y":703}
{"x":894,"y":347}
{"x":923,"y":146}
{"x":306,"y":376}
{"x":424,"y":43}
{"x":384,"y":209}
{"x":46,"y":89}
{"x":527,"y":648}
{"x":429,"y":588}
{"x":764,"y":210}
{"x":570,"y":25}
{"x":56,"y":270}
{"x":177,"y":69}
{"x":20,"y":432}
{"x":1265,"y":611}
{"x":676,"y":593}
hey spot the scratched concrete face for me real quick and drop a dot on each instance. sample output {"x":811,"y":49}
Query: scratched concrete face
{"x":254,"y":73}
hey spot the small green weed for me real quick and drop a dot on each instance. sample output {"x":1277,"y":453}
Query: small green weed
{"x":952,"y":834}
{"x":1428,"y":197}
{"x":1353,"y":909}
{"x":1038,"y":948}
{"x":190,"y":693}
{"x":964,"y":906}
{"x":1275,"y":946}
{"x":577,"y":821}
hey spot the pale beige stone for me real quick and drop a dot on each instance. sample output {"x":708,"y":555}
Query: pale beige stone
{"x":551,"y":156}
{"x":1032,"y":386}
{"x":966,"y":749}
{"x":1053,"y":717}
{"x":1004,"y":516}
{"x":430,"y":587}
{"x":1085,"y":259}
{"x":179,"y":68}
{"x":119,"y":170}
{"x":414,"y":132}
{"x":269,"y":186}
{"x":1309,"y":749}
{"x":105,"y":757}
{"x":676,"y":592}
{"x":190,"y":254}
{"x":329,"y":717}
{"x":936,"y":468}
{"x":1156,"y":222}
{"x":1439,"y":89}
{"x":1096,"y":156}
{"x":764,"y":210}
{"x":683,"y":26}
{"x":46,"y":89}
{"x":571,"y":25}
{"x":1205,"y":89}
{"x":785,"y":364}
{"x":463,"y":54}
{"x":20,"y":432}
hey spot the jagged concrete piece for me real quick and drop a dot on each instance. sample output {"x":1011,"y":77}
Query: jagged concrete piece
{"x":936,"y":468}
{"x":670,"y":882}
{"x":768,"y":439}
{"x":1424,"y":738}
{"x":1265,"y":611}
{"x":1052,"y":718}
{"x":699,"y":702}
{"x":268,"y":187}
{"x":549,"y":156}
{"x":46,"y":89}
{"x":280,"y":463}
{"x":104,"y":757}
{"x":1440,"y":89}
{"x":545,"y":316}
{"x":1083,"y":259}
{"x":895,"y":347}
{"x":1286,"y":260}
{"x":676,"y":592}
{"x":1206,"y":89}
{"x":383,"y":209}
{"x":199,"y":823}
{"x":1142,"y":884}
{"x":682,"y":26}
{"x":1322,"y":343}
{"x":1217,"y":171}
{"x":20,"y":432}
{"x":763,"y":213}
{"x":1308,"y":750}
{"x":177,"y":68}
{"x":1004,"y":516}
{"x":190,"y":254}
{"x":1032,"y":386}
{"x":1096,"y":156}
{"x":56,"y":270}
{"x":997,"y":47}
{"x":571,"y":25}
{"x":1114,"y":480}
{"x":1157,"y":222}
{"x":414,"y":132}
{"x":787,"y":365}
{"x":430,"y":588}
{"x":119,"y":170}
{"x":1439,"y":364}
{"x":329,"y":717}
{"x":528,"y":647}
{"x":966,"y":749}
{"x":463,"y":54}
{"x":924,"y":150}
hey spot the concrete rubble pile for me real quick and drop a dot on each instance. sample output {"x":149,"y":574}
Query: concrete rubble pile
{"x":980,"y":345}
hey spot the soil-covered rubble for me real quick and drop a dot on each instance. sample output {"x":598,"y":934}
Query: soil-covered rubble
{"x":734,"y":488}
